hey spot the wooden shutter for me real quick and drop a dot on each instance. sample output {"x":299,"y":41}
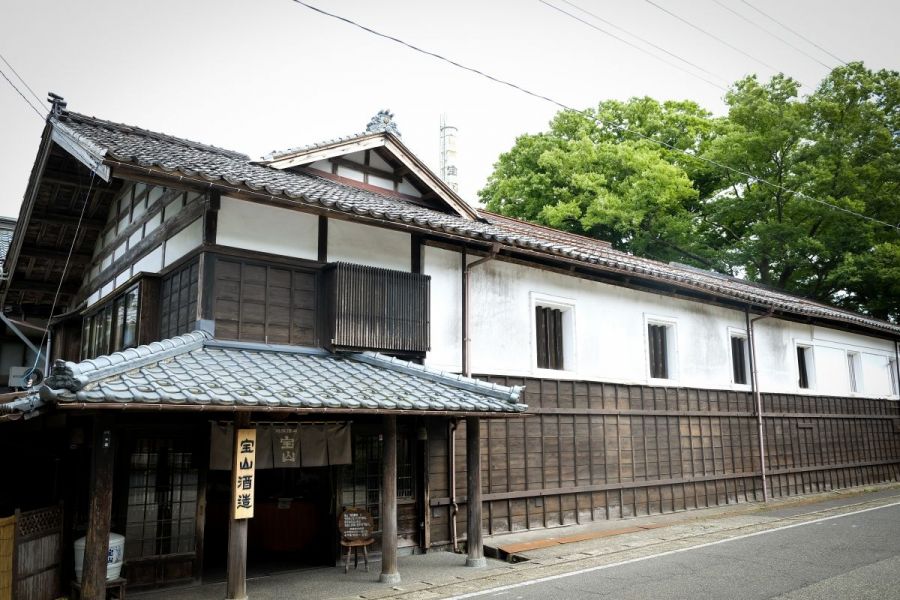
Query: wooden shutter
{"x":739,"y":360}
{"x":659,"y":360}
{"x":801,"y":366}
{"x":549,"y":337}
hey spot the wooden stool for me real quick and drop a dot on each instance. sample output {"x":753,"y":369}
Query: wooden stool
{"x":355,"y":525}
{"x":355,"y":545}
{"x":116,"y":586}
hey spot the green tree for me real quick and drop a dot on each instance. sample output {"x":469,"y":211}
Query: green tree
{"x":588,"y":176}
{"x":628,"y":172}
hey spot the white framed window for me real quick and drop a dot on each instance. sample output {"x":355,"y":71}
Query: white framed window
{"x":740,"y":356}
{"x":806,"y":367}
{"x":553,"y":327}
{"x":855,"y":371}
{"x":662,"y":345}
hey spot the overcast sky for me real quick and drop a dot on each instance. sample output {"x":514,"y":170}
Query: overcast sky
{"x":270,"y":74}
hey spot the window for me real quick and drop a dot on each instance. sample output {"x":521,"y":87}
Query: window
{"x":659,"y":336}
{"x":113,"y":327}
{"x":854,"y":371}
{"x":739,"y":362}
{"x":892,"y":369}
{"x":162,"y":498}
{"x":805,"y":367}
{"x":548,"y":328}
{"x":361,"y":486}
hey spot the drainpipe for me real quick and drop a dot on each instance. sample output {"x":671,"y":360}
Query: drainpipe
{"x":897,"y":363}
{"x":757,"y":396}
{"x":467,"y":371}
{"x":467,"y":269}
{"x":454,"y":507}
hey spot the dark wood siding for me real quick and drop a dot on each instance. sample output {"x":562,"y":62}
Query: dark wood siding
{"x":596,"y":451}
{"x":178,"y":300}
{"x":265,"y":303}
{"x":377,"y":309}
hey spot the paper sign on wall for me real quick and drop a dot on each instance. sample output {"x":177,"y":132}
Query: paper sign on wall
{"x":244,"y":473}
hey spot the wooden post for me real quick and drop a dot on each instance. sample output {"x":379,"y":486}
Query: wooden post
{"x":474,"y":541}
{"x":389,"y":573}
{"x":236,"y":586}
{"x":96,"y":547}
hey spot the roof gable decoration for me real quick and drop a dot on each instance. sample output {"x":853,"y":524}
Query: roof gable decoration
{"x":381,"y":133}
{"x":197,"y":370}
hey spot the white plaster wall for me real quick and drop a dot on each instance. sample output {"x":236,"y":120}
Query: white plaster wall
{"x":610,"y":325}
{"x":445,"y":269}
{"x":367,"y":245}
{"x":183,"y":242}
{"x":263,"y":228}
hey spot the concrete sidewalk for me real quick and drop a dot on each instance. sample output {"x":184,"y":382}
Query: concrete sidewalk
{"x":547,"y":552}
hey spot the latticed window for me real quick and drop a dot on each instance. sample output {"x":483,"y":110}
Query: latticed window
{"x":362,"y":480}
{"x":162,"y":498}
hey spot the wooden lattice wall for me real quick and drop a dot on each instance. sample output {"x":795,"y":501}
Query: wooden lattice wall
{"x":596,"y":451}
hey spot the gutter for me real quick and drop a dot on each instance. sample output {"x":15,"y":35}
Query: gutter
{"x":757,"y":396}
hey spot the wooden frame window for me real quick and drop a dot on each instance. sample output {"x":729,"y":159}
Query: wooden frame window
{"x":549,"y":337}
{"x":893,"y":376}
{"x":739,"y":362}
{"x":661,"y":356}
{"x":805,"y":367}
{"x":112,"y":327}
{"x":361,"y":486}
{"x":854,"y":371}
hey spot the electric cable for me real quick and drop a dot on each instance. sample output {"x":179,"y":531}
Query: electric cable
{"x":564,"y":106}
{"x":40,"y":101}
{"x":797,"y":33}
{"x":635,"y":46}
{"x":711,"y":35}
{"x":774,"y":35}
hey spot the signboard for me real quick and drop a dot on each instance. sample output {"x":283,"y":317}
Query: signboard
{"x":355,"y":524}
{"x":244,"y":473}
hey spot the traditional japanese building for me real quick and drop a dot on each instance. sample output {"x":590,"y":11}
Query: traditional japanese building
{"x":391,"y":348}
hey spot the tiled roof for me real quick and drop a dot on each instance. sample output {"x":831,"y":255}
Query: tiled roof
{"x":24,"y":405}
{"x":131,"y":145}
{"x":5,"y":239}
{"x":195,"y":369}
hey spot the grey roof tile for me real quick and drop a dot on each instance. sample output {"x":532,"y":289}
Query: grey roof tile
{"x":196,"y":369}
{"x":129,"y":144}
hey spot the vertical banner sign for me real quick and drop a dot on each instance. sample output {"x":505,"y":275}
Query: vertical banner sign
{"x":244,"y":473}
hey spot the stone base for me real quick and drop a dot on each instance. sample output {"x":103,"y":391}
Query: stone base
{"x":390,"y":578}
{"x":476,"y":562}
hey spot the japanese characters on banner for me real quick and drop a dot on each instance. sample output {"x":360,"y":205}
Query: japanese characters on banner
{"x":244,"y":473}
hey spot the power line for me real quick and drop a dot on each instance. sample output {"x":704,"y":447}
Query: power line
{"x":797,"y":33}
{"x":711,"y":35}
{"x":622,"y":128}
{"x":24,"y":97}
{"x":646,"y":41}
{"x":624,"y":41}
{"x":774,"y":35}
{"x":25,"y":83}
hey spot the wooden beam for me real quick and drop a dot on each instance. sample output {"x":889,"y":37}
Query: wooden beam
{"x":96,"y":547}
{"x":474,"y":540}
{"x":68,"y":219}
{"x":323,"y":239}
{"x":236,"y":583}
{"x":355,"y":166}
{"x":59,"y":255}
{"x":389,"y":573}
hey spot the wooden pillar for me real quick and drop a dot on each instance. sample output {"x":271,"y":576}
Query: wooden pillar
{"x":236,"y":585}
{"x":474,"y":541}
{"x":389,"y":573}
{"x":96,"y":547}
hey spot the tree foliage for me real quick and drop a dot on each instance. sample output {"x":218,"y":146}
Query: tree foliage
{"x":630,"y":173}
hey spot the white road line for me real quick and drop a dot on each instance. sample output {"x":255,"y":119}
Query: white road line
{"x":511,"y":586}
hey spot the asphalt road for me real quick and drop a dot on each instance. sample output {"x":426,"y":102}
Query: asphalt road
{"x":856,"y":556}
